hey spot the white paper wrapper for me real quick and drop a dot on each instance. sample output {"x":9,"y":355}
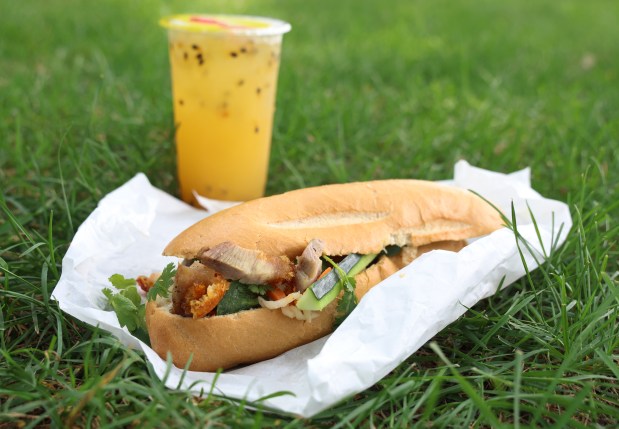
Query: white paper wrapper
{"x":128,"y":230}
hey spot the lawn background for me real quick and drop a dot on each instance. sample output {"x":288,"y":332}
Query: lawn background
{"x":367,"y":90}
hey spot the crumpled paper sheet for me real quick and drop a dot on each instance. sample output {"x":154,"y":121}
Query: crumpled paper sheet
{"x":128,"y":230}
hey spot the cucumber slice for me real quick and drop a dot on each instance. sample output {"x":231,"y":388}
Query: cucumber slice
{"x":324,"y":285}
{"x":308,"y":300}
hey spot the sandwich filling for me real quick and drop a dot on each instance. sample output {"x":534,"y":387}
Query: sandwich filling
{"x":228,"y":278}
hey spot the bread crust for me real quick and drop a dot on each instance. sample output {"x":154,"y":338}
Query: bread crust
{"x":362,"y":217}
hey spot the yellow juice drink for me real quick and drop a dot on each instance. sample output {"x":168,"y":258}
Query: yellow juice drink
{"x":224,"y":80}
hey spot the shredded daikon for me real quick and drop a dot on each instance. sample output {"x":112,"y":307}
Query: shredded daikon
{"x":288,"y":310}
{"x":295,"y":313}
{"x":272,"y":305}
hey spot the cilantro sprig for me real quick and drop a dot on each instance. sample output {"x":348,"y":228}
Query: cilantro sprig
{"x":163,"y":283}
{"x":259,"y":289}
{"x":348,"y":301}
{"x":127,"y":303}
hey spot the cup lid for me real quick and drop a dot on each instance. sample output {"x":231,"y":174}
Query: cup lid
{"x":235,"y":24}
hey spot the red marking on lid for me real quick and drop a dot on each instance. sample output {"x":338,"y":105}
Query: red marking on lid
{"x":212,"y":21}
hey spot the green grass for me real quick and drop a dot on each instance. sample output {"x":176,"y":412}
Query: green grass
{"x":366,"y":92}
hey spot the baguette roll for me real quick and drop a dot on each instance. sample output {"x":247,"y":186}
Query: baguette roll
{"x":363,"y":218}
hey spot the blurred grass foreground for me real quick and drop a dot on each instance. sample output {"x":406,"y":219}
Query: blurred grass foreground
{"x":366,"y":91}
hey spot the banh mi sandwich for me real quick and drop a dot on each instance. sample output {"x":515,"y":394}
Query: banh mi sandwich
{"x":271,"y":274}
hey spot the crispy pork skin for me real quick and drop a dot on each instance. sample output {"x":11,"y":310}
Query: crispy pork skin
{"x":188,"y":280}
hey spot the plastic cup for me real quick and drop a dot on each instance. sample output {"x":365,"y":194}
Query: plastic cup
{"x":224,"y":78}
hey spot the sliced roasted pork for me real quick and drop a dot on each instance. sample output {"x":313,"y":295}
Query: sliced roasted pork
{"x":309,"y":265}
{"x":247,"y":266}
